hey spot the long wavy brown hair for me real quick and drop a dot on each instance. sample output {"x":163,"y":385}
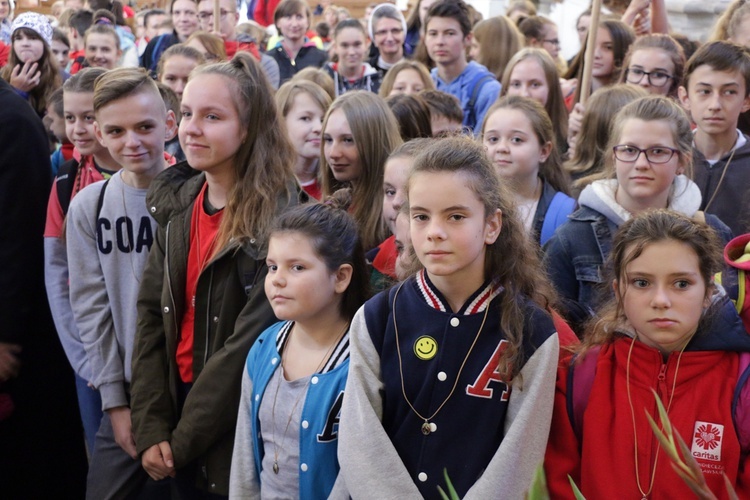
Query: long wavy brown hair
{"x":263,"y":164}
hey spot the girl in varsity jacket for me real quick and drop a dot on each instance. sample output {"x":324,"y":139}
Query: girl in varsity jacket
{"x":461,"y":356}
{"x":287,"y":428}
{"x":666,"y":330}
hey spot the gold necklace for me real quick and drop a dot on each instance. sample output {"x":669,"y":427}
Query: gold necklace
{"x":645,"y":494}
{"x":299,"y":398}
{"x":426,"y":426}
{"x":721,"y":179}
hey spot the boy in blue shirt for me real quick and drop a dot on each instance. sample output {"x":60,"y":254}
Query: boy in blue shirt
{"x":447,"y":37}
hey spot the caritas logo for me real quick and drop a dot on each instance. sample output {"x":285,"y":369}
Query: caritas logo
{"x":707,"y":438}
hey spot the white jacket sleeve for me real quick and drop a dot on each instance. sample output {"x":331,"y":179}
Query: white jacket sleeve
{"x":369,"y":461}
{"x":244,"y":482}
{"x":91,"y":305}
{"x":527,"y":426}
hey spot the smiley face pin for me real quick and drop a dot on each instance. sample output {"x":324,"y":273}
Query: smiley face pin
{"x":425,"y":347}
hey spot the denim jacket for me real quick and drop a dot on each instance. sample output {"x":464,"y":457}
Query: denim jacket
{"x":575,"y":256}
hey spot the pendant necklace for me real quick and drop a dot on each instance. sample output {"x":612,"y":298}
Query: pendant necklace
{"x":645,"y":494}
{"x":427,"y":426}
{"x":276,"y":447}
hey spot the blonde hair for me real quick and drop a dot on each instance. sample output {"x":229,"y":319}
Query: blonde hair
{"x":319,"y":77}
{"x":729,"y":22}
{"x":214,"y":45}
{"x":376,"y":135}
{"x":291,"y":89}
{"x":499,"y":40}
{"x":555,"y":105}
{"x":648,"y":109}
{"x":120,"y":83}
{"x":390,"y":77}
{"x":263,"y":164}
{"x":588,"y":160}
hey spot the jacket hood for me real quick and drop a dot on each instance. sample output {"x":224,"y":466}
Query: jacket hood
{"x":723,"y":331}
{"x":685,"y":198}
{"x":737,"y":252}
{"x":368,"y":70}
{"x":173,"y":191}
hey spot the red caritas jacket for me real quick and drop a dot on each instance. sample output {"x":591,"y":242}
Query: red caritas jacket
{"x":603,"y":464}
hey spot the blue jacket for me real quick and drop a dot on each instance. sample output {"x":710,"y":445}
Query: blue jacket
{"x":463,"y":88}
{"x":318,"y":445}
{"x":575,"y":256}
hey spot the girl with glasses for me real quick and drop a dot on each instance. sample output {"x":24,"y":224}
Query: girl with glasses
{"x":655,"y":63}
{"x":647,"y":166}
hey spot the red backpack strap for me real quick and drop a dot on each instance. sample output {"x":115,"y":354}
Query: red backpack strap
{"x":741,"y":403}
{"x":580,"y":380}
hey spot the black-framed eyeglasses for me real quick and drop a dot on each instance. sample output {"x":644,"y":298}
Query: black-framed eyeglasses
{"x":654,"y":154}
{"x":553,"y":41}
{"x":655,"y":78}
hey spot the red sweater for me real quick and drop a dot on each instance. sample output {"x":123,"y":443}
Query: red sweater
{"x":604,"y":465}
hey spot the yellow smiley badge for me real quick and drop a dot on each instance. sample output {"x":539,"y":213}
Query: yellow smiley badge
{"x":425,"y":347}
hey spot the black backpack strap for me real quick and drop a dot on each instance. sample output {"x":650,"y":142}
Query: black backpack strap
{"x":65,"y":183}
{"x":100,"y":203}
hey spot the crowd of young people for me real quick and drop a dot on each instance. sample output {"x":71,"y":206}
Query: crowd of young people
{"x":279,"y":268}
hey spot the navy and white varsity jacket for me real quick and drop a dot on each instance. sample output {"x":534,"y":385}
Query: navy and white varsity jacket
{"x":489,"y":435}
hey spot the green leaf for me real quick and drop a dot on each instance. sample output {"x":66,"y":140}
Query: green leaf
{"x":576,"y":492}
{"x":451,"y":489}
{"x":538,"y":489}
{"x":666,"y":424}
{"x":730,"y":490}
{"x":442,"y":494}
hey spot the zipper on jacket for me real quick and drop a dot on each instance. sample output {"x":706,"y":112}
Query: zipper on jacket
{"x":169,"y":281}
{"x":653,"y":444}
{"x":208,"y":316}
{"x":662,"y":383}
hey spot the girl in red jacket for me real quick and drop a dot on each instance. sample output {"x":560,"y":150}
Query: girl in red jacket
{"x":666,"y":330}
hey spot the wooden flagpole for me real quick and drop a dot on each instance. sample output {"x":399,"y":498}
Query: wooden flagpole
{"x":588,"y":59}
